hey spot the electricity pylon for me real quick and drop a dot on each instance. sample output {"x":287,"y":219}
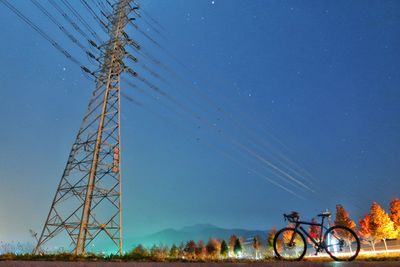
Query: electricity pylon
{"x":87,"y":203}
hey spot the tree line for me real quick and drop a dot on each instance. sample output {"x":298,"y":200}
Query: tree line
{"x":214,"y":249}
{"x":372,"y":228}
{"x":379,"y":226}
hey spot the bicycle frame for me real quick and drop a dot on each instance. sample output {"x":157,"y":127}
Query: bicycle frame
{"x":320,"y":244}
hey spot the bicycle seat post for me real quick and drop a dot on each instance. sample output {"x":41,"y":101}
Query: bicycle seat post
{"x":323,"y":215}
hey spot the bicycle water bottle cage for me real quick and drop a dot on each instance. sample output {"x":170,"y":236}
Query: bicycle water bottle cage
{"x":292,"y":217}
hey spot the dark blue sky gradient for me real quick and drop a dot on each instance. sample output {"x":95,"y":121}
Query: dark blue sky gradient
{"x":313,"y":81}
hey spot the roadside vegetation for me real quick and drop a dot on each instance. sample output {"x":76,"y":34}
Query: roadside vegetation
{"x":373,"y":228}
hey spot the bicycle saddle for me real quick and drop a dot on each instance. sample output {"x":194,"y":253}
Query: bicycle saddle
{"x":324,"y":214}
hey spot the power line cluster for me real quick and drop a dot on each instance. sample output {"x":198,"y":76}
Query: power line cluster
{"x":142,"y":69}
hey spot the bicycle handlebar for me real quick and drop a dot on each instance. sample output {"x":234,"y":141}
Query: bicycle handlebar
{"x":292,"y":217}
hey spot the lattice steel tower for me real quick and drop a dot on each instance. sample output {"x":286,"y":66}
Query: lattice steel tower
{"x":87,"y":203}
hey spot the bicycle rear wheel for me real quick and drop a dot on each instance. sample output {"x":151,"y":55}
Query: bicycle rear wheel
{"x":341,"y":243}
{"x":289,"y":244}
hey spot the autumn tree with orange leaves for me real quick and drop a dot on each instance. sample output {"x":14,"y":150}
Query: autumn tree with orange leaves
{"x":201,"y":250}
{"x":364,"y":231}
{"x":343,"y":219}
{"x":380,"y":224}
{"x":395,"y":215}
{"x":213,"y":248}
{"x":190,"y":249}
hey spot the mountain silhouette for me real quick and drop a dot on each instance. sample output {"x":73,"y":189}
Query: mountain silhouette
{"x":195,"y":232}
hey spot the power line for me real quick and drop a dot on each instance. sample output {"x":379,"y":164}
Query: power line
{"x":42,"y":33}
{"x":231,"y":139}
{"x":294,"y":166}
{"x":150,"y":25}
{"x":69,"y":20}
{"x":102,"y":25}
{"x":152,"y":19}
{"x":171,"y":99}
{"x":219,"y":150}
{"x":82,"y":20}
{"x":59,"y":25}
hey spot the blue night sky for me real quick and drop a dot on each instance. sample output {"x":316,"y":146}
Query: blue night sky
{"x":309,"y":87}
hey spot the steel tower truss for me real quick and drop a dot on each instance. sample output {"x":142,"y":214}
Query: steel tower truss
{"x":87,"y":203}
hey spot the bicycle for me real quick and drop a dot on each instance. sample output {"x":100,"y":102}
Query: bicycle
{"x":340,"y":242}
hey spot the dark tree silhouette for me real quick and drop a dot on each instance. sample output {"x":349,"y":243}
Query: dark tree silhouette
{"x":237,"y":247}
{"x":224,"y":249}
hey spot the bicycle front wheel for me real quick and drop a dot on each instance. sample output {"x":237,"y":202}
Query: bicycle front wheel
{"x":289,"y":244}
{"x":341,"y":243}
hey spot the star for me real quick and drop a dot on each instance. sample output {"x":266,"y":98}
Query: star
{"x":212,"y":2}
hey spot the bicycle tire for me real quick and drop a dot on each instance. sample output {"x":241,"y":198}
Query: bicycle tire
{"x":339,"y":233}
{"x":279,"y":255}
